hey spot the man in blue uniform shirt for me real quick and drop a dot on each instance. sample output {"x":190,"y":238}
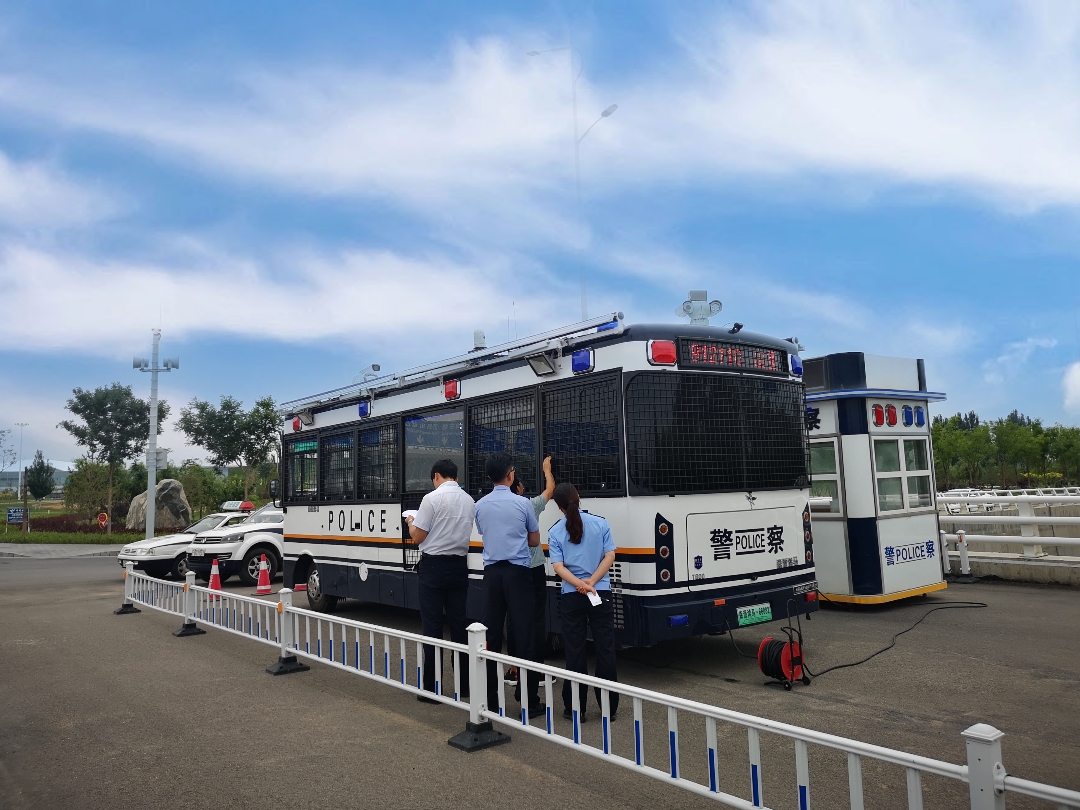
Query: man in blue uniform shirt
{"x":509,"y":528}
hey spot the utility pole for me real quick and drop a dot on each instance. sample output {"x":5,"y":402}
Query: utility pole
{"x":22,"y":478}
{"x":151,"y":445}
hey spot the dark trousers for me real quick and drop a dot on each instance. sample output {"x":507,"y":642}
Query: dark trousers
{"x":578,"y":616}
{"x":508,"y":591}
{"x":443,"y":588}
{"x":540,"y":595}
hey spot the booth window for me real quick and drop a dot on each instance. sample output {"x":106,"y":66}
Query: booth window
{"x":302,"y":469}
{"x":824,"y":480}
{"x":377,"y":460}
{"x":431,"y":438}
{"x":338,"y":471}
{"x":503,"y":426}
{"x":893,"y":474}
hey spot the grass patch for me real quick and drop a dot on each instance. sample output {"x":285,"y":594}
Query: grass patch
{"x":83,"y":538}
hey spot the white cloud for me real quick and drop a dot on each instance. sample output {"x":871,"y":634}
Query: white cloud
{"x":1013,"y":358}
{"x":107,"y":306}
{"x":925,"y":94}
{"x":39,"y":194}
{"x":1070,"y":383}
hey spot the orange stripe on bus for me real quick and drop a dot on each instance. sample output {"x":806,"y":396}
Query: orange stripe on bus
{"x":649,"y":551}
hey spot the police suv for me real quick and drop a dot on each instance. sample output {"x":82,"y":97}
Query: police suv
{"x":239,"y":548}
{"x":167,"y":554}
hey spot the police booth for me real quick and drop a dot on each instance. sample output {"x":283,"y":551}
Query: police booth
{"x":873,"y":500}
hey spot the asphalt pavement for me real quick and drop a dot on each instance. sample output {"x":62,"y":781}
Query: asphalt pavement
{"x":103,"y":711}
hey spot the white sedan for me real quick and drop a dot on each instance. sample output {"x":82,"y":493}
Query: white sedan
{"x":167,"y":554}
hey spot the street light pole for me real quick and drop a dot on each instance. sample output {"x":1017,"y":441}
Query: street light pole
{"x":22,"y":478}
{"x":151,"y":444}
{"x":574,"y":76}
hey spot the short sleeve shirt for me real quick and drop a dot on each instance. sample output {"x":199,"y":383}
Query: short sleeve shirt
{"x":446,"y":514}
{"x":536,"y":558}
{"x":505,"y":520}
{"x":583,"y":558}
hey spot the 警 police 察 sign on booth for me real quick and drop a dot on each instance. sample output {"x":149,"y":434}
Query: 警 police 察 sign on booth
{"x":15,"y":514}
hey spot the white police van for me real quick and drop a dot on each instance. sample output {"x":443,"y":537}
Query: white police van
{"x":238,"y":548}
{"x":167,"y":554}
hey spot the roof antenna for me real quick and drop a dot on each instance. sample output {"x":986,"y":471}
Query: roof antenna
{"x":698,"y":308}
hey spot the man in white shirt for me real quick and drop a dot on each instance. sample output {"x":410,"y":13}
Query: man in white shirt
{"x":442,"y":527}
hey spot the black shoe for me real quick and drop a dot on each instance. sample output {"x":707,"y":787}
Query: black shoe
{"x":424,"y":699}
{"x":537,"y":711}
{"x":568,"y":714}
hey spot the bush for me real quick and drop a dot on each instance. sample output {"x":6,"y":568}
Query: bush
{"x":74,"y":524}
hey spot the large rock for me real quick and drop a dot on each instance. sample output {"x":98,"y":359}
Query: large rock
{"x":173,"y":510}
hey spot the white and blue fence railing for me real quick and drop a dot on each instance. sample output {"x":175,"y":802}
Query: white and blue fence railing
{"x":668,"y":738}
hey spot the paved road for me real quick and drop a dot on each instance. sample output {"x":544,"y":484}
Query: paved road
{"x":102,"y":711}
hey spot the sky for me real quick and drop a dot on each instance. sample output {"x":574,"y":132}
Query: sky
{"x":293,"y":191}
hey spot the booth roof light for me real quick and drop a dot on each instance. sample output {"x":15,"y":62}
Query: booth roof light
{"x":879,"y":415}
{"x":796,"y":365}
{"x":583,"y":361}
{"x":920,"y":416}
{"x":909,"y":416}
{"x":662,"y":352}
{"x":451,"y":389}
{"x":890,"y":415}
{"x":364,"y":408}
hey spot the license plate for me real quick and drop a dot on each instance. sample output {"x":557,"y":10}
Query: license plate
{"x":198,"y":552}
{"x":754,"y":614}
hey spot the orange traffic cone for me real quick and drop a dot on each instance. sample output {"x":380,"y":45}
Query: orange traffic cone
{"x":215,"y":578}
{"x":264,"y":588}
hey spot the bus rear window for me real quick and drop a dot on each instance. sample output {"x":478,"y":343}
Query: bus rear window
{"x":581,"y":432}
{"x":429,"y":439}
{"x":301,"y":469}
{"x":692,"y":432}
{"x":503,"y":426}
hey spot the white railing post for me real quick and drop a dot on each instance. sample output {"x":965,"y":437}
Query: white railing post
{"x":1027,"y":530}
{"x":189,"y":628}
{"x":985,"y":770}
{"x":946,"y":563}
{"x":286,"y":662}
{"x":129,"y":588}
{"x":965,"y":564}
{"x":479,"y":733}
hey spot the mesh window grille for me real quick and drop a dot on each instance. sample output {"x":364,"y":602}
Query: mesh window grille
{"x":581,"y":433}
{"x":302,"y":469}
{"x":690,"y":432}
{"x":377,"y":453}
{"x":337,"y":468}
{"x":509,"y":426}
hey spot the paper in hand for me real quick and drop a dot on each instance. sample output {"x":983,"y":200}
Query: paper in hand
{"x":594,"y":597}
{"x":409,"y":513}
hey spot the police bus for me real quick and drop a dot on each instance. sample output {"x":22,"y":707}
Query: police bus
{"x":691,"y":440}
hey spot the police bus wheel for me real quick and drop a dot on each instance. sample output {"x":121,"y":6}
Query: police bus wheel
{"x":179,"y":566}
{"x":324,"y":603}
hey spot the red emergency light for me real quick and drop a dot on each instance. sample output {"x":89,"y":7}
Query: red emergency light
{"x":662,"y":352}
{"x":451,"y":389}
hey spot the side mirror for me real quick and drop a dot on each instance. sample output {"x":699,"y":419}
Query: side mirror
{"x":275,"y":487}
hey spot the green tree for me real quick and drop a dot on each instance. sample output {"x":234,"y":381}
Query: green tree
{"x":114,"y":427}
{"x":203,"y":487}
{"x":7,"y":450}
{"x":230,"y":435}
{"x":975,"y":451}
{"x":86,"y":490}
{"x":40,"y":478}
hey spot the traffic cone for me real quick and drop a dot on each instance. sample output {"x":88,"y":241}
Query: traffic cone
{"x":215,"y":578}
{"x":264,"y":588}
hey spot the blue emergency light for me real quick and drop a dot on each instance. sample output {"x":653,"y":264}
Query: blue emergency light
{"x":920,"y":416}
{"x":364,"y":408}
{"x":681,"y":620}
{"x":605,"y":326}
{"x":909,"y":418}
{"x":583,"y":361}
{"x":796,"y":365}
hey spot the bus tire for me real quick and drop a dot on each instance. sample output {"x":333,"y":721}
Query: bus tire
{"x":317,"y":600}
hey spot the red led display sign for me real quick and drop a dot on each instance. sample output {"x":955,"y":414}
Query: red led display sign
{"x":716,"y":354}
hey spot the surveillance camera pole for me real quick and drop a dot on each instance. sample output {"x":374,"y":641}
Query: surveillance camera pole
{"x":151,"y":445}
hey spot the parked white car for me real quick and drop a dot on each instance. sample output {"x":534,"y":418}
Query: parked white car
{"x":168,"y":554}
{"x":239,"y":548}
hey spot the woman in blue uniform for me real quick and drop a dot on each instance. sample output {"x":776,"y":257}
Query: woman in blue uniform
{"x":582,"y":550}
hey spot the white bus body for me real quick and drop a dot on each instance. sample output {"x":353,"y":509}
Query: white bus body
{"x":698,"y":464}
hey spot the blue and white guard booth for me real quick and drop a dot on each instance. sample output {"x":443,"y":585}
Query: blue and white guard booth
{"x":873,"y":497}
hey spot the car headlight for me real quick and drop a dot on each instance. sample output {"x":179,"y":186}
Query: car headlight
{"x":233,"y":538}
{"x":127,"y":551}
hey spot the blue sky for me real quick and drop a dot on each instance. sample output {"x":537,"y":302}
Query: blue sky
{"x":293,"y":192}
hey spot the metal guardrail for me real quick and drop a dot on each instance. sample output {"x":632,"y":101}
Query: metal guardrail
{"x":353,"y":648}
{"x":959,"y":506}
